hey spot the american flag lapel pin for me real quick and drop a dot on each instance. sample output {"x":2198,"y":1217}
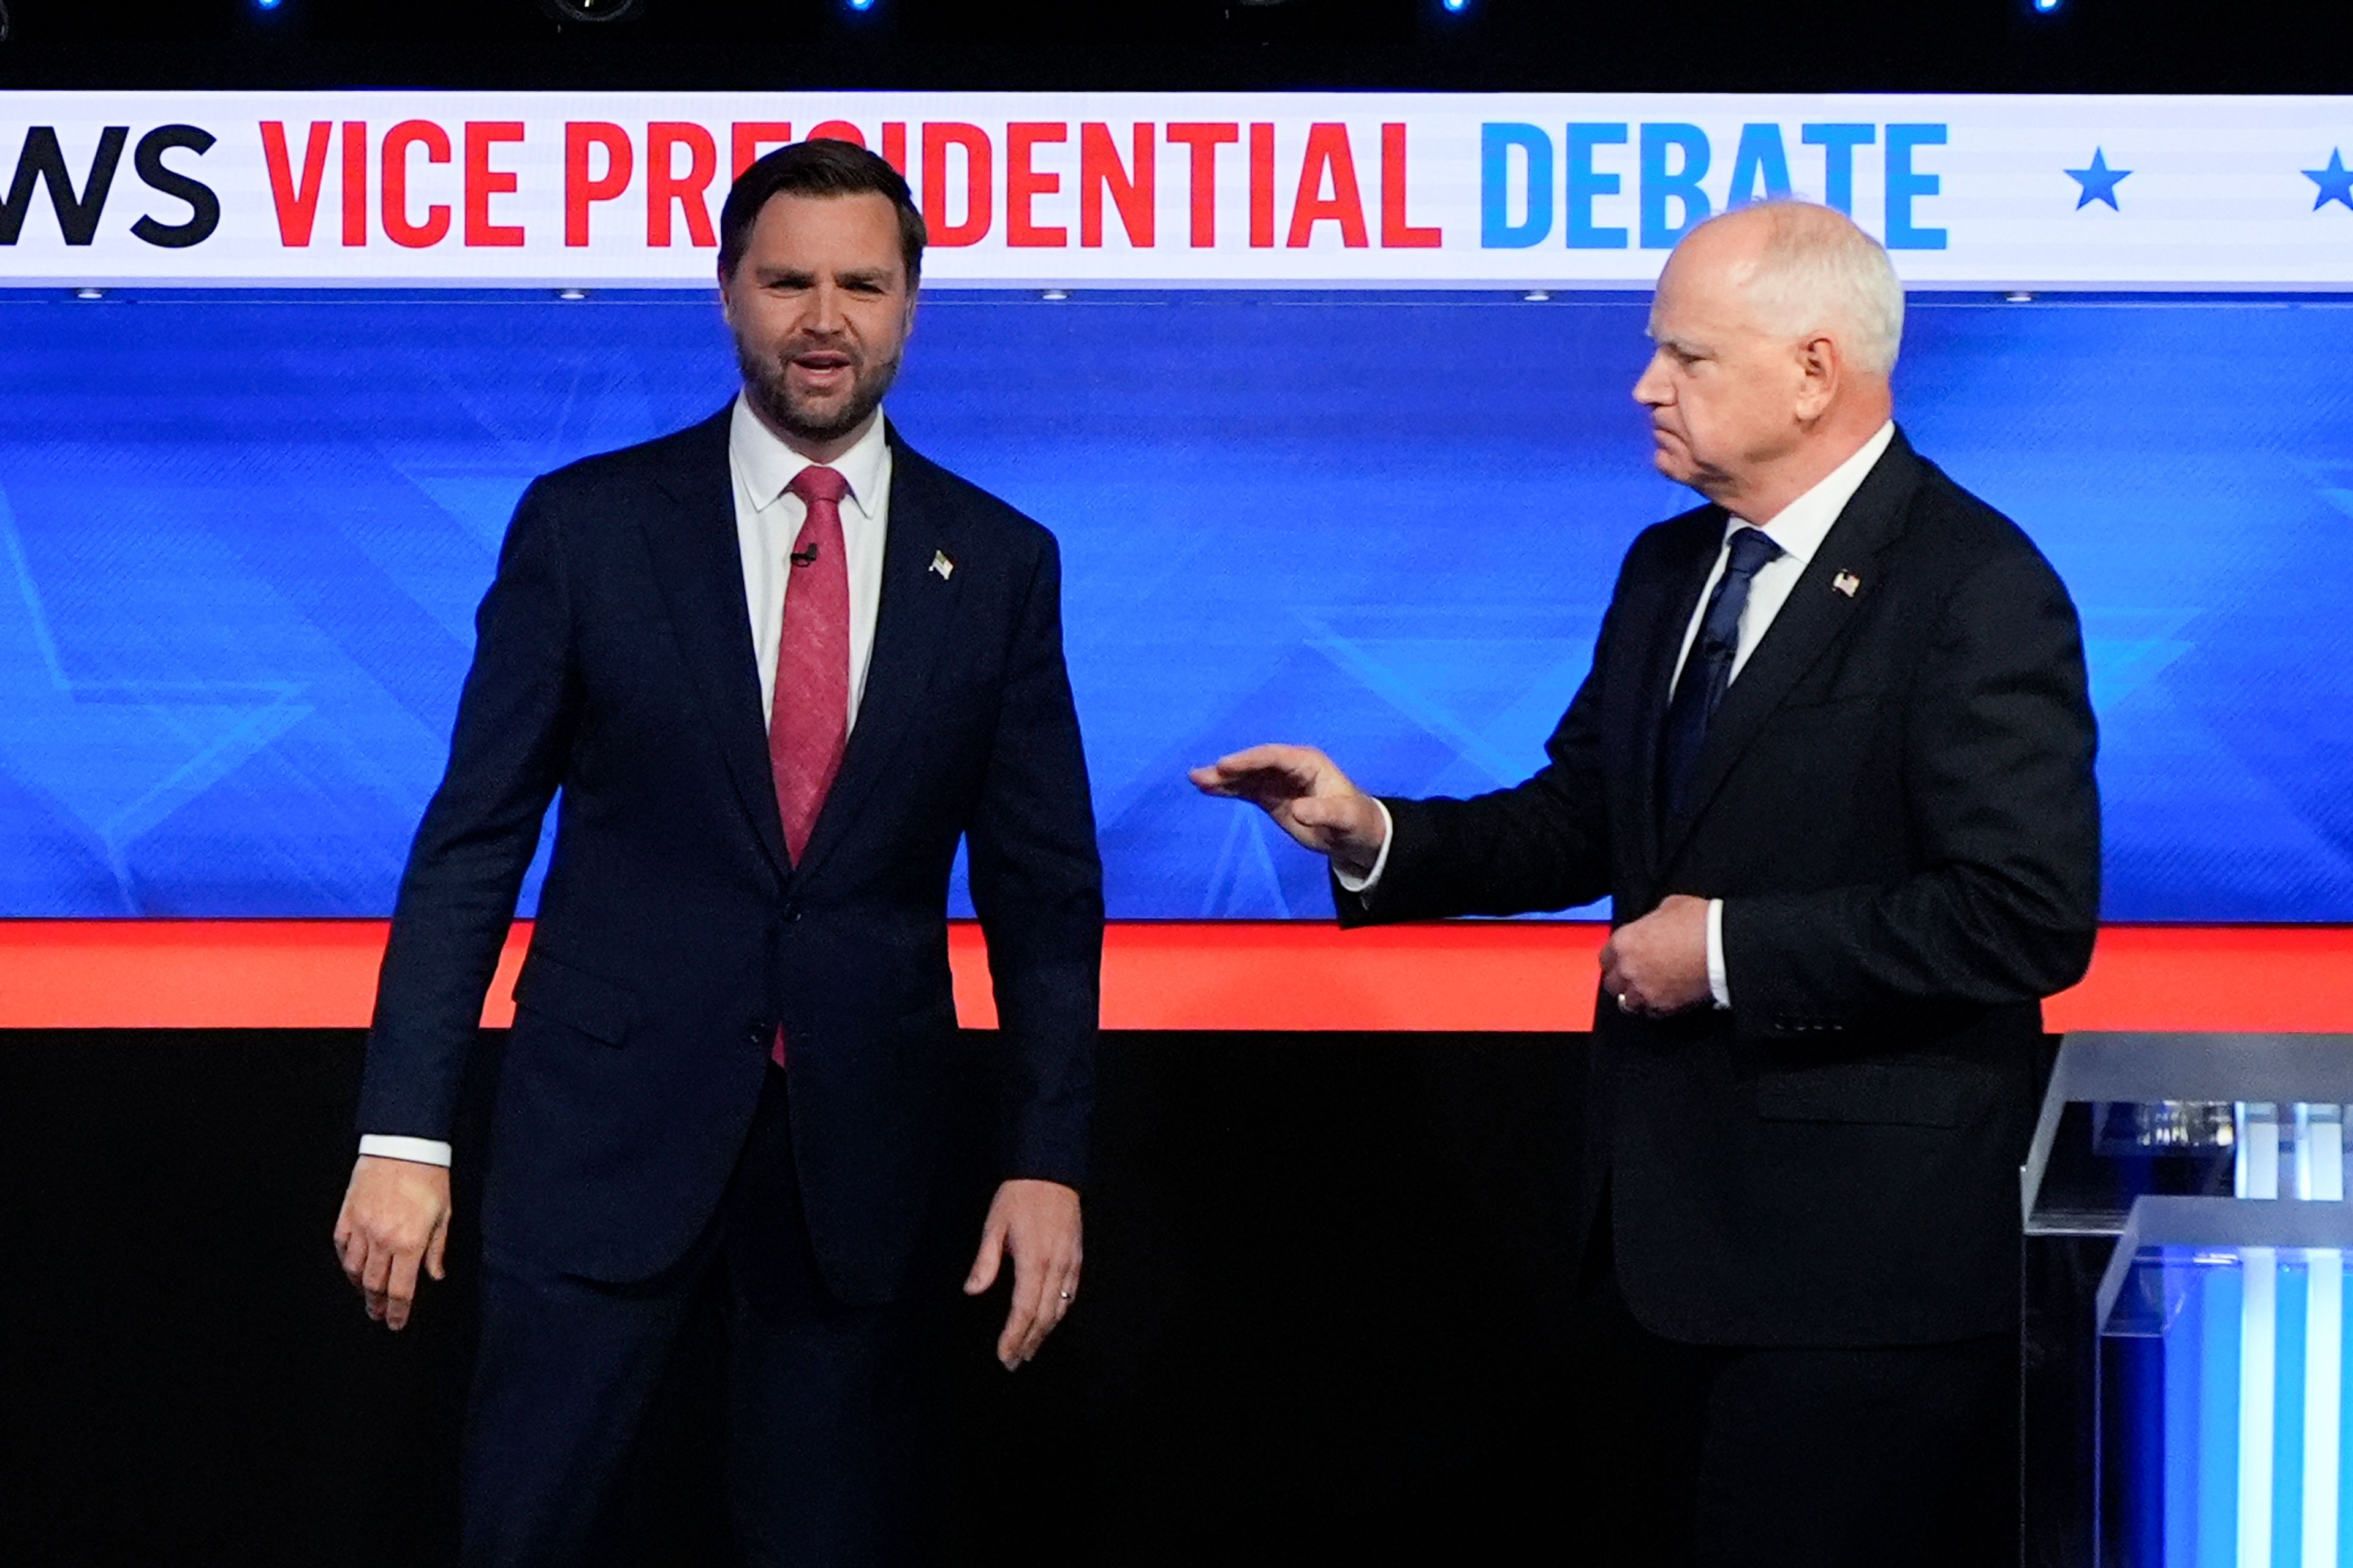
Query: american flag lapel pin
{"x":1846,"y":582}
{"x":942,"y":565}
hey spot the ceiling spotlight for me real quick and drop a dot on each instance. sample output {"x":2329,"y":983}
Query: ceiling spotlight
{"x":594,"y":11}
{"x":861,"y":5}
{"x":1535,"y":296}
{"x":1053,"y":294}
{"x":2046,"y":6}
{"x":1455,"y":8}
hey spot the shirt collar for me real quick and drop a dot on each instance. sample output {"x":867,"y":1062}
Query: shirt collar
{"x":1802,"y":525}
{"x":767,"y":465}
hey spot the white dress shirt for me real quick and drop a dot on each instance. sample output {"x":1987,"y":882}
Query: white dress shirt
{"x":1798,"y":529}
{"x":768,"y":521}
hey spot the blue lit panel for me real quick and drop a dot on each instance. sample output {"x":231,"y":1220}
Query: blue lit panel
{"x":2234,"y":1421}
{"x":2229,"y":1412}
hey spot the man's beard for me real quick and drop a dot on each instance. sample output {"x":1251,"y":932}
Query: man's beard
{"x":766,"y":381}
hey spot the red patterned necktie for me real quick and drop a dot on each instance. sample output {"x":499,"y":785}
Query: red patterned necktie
{"x":809,"y":712}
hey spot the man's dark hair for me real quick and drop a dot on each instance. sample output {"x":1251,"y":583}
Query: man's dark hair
{"x":826,"y":168}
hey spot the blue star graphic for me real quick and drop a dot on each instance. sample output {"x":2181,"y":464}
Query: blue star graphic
{"x":2335,"y":182}
{"x":2099,"y":182}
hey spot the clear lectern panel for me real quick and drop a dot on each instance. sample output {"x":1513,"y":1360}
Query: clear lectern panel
{"x":2186,"y":1337}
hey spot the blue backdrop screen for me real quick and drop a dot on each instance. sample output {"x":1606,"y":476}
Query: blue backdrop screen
{"x":241,"y":538}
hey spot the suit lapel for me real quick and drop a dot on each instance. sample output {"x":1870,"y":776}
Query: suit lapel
{"x":909,"y":628}
{"x":1810,"y":621}
{"x":698,"y":566}
{"x":1668,"y":598}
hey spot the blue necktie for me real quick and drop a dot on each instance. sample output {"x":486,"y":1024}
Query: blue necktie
{"x":1707,"y":669}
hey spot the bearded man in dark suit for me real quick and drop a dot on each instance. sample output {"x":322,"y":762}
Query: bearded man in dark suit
{"x":1833,"y":766}
{"x":779,"y":665}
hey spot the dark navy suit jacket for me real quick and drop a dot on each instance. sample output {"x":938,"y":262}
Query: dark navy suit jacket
{"x":614,"y":663}
{"x":1896,"y":804}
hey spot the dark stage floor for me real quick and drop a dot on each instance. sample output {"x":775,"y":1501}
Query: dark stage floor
{"x":1321,"y":1275}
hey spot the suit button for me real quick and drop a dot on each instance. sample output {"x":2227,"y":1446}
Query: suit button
{"x":757,"y":1035}
{"x":792,"y":917}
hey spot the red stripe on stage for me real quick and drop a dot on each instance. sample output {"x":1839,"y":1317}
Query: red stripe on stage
{"x":1244,"y":975}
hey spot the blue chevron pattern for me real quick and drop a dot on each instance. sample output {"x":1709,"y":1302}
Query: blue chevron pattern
{"x":241,"y":537}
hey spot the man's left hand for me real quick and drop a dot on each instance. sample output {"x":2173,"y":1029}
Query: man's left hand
{"x":1658,"y":965}
{"x":1037,"y":1222}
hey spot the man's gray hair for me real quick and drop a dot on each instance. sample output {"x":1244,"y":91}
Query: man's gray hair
{"x":1816,"y":271}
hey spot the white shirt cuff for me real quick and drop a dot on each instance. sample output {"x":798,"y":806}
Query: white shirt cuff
{"x":423,"y":1151}
{"x":1718,"y":986}
{"x":1363,"y":886}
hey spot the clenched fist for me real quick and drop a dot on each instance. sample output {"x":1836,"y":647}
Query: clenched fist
{"x":1658,"y":965}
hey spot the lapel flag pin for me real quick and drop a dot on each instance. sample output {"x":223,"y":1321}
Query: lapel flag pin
{"x":942,"y":565}
{"x":1846,"y":582}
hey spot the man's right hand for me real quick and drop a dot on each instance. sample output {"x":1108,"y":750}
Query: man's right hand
{"x":396,"y":1216}
{"x":1312,"y":800}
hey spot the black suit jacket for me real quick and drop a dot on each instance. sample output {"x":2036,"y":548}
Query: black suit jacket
{"x":613,"y":661}
{"x":1895,"y":802}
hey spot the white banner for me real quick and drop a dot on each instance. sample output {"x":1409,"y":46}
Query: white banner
{"x":1186,"y":190}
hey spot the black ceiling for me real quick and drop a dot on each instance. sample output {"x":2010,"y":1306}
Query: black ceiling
{"x":1975,"y":46}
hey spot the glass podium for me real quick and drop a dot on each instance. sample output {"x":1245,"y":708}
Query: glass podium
{"x":2186,"y":1337}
